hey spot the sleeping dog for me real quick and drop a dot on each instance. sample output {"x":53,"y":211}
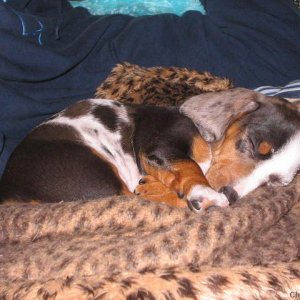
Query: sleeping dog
{"x":215,"y":148}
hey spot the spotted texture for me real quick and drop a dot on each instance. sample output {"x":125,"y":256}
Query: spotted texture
{"x":208,"y":283}
{"x":127,"y":248}
{"x":157,"y":85}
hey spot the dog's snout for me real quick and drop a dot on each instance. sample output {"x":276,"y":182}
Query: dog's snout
{"x":230,"y":193}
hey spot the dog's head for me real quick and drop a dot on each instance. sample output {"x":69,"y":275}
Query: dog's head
{"x":246,"y":129}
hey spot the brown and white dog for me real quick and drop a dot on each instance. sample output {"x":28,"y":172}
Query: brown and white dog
{"x":231,"y":142}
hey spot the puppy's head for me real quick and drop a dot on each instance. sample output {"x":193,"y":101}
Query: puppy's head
{"x":244,"y":129}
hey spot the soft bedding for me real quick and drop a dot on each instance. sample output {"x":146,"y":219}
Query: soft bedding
{"x":129,"y":248}
{"x":52,"y":54}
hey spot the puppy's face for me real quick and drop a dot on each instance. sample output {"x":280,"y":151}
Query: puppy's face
{"x":229,"y":160}
{"x":252,"y":130}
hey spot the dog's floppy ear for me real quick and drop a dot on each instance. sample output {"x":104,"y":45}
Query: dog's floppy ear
{"x":295,"y":102}
{"x":212,"y":113}
{"x":298,"y":105}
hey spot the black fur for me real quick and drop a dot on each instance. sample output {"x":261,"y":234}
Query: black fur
{"x":53,"y":171}
{"x":274,"y":122}
{"x":107,"y":116}
{"x":163,"y":134}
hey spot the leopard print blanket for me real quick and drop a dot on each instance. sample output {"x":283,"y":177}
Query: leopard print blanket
{"x":130,"y":248}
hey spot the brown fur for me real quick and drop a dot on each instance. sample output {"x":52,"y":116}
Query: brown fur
{"x":158,"y":86}
{"x":180,"y":177}
{"x":228,"y":163}
{"x":154,"y":190}
{"x":200,"y":150}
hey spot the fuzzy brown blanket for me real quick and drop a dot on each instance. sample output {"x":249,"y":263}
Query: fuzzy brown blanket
{"x":129,"y":248}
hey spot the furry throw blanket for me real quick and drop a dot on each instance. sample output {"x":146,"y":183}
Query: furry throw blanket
{"x":130,"y":248}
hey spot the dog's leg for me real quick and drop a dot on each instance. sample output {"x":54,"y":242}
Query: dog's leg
{"x":185,"y":178}
{"x":152,"y":189}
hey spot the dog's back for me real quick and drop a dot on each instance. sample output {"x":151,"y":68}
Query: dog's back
{"x":91,"y":150}
{"x":69,"y":157}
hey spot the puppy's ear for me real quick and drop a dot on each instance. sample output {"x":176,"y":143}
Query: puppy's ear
{"x":294,"y":101}
{"x":212,"y":113}
{"x":298,"y":105}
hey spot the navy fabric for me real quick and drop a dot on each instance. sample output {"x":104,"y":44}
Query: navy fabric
{"x":52,"y":54}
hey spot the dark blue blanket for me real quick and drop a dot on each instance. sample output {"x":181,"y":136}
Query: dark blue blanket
{"x":52,"y":54}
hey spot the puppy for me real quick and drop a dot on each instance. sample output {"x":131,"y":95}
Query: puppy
{"x":213,"y":142}
{"x":257,"y":148}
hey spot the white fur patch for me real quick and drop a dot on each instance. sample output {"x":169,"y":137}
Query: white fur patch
{"x":284,"y":164}
{"x":205,"y":166}
{"x":105,"y":142}
{"x":200,"y":192}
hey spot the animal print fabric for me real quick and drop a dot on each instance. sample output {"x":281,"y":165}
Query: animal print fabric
{"x":158,"y":86}
{"x":129,"y":248}
{"x":259,"y":282}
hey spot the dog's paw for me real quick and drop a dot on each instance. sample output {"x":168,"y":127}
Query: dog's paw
{"x":202,"y":197}
{"x":148,"y":185}
{"x":154,"y":190}
{"x":147,"y":179}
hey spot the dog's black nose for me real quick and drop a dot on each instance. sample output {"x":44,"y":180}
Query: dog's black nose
{"x":230,"y":193}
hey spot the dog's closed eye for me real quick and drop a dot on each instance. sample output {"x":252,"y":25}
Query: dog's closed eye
{"x":252,"y":148}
